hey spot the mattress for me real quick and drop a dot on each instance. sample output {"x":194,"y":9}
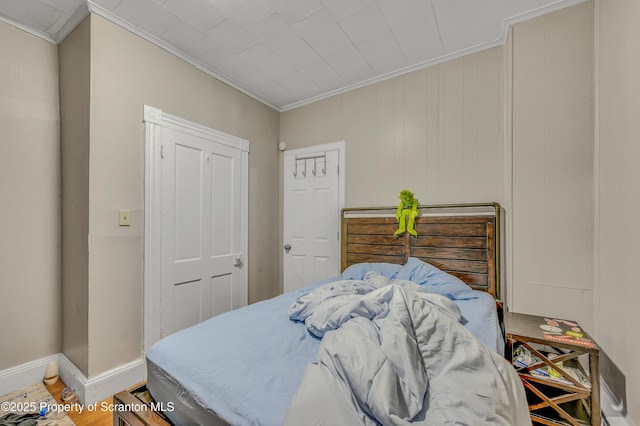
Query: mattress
{"x":244,"y":366}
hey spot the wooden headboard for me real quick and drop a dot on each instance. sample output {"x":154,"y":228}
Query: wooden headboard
{"x":461,"y":239}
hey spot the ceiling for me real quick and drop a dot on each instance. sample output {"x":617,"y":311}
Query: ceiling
{"x":287,"y":53}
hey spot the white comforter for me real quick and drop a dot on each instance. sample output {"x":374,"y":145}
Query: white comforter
{"x":394,"y":355}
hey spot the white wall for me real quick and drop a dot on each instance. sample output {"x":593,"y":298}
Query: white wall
{"x":618,"y":180}
{"x":552,"y":151}
{"x":30,"y":198}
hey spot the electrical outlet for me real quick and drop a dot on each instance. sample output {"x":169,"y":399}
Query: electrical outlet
{"x":125,"y":217}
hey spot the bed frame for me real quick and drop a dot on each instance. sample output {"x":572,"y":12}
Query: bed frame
{"x":461,"y":239}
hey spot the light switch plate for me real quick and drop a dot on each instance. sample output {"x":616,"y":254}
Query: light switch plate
{"x":125,"y":217}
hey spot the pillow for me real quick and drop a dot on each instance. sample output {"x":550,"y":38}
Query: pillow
{"x":357,"y":270}
{"x":435,"y":280}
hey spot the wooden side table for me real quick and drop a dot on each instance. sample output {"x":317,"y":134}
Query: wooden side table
{"x":131,"y":409}
{"x":559,"y":350}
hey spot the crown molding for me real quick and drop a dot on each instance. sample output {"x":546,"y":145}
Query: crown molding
{"x":94,"y":8}
{"x":78,"y":16}
{"x":90,"y":7}
{"x":27,"y":29}
{"x":507,"y":23}
{"x":393,"y":74}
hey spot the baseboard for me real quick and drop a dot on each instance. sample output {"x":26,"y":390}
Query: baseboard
{"x":614,"y":413}
{"x":24,"y":374}
{"x":103,"y":385}
{"x":89,"y":391}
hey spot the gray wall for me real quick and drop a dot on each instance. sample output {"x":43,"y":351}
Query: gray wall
{"x":440,"y":132}
{"x":552,"y":151}
{"x":126,"y":73}
{"x":30,"y":194}
{"x":75,"y":66}
{"x":437,"y":132}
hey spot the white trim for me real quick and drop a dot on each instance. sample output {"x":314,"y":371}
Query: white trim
{"x":156,"y":116}
{"x":24,"y":374}
{"x":98,"y":10}
{"x":155,"y":120}
{"x":244,"y":189}
{"x":426,"y":64}
{"x":506,"y":25}
{"x":152,"y":254}
{"x":92,"y":7}
{"x":613,"y":414}
{"x":534,"y":13}
{"x":78,"y":16}
{"x":89,"y":391}
{"x":40,"y":34}
{"x":104,"y":384}
{"x":507,"y":286}
{"x":596,"y":168}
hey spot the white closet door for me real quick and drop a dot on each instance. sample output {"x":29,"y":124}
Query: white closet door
{"x":202,"y":230}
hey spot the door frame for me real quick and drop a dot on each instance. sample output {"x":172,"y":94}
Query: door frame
{"x":339,"y":146}
{"x":154,"y":121}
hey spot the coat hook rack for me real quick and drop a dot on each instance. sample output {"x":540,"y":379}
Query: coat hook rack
{"x":315,"y":164}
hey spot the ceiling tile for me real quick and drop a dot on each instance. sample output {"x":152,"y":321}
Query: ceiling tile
{"x":326,"y":37}
{"x":464,"y":24}
{"x":270,"y":66}
{"x":232,"y":36}
{"x":200,"y":14}
{"x":509,"y":8}
{"x":293,"y":11}
{"x":147,"y":15}
{"x":188,"y":39}
{"x":370,"y":33}
{"x":342,"y":8}
{"x":66,"y":6}
{"x":109,"y":4}
{"x":414,"y":27}
{"x":35,"y":14}
{"x":322,"y":75}
{"x":285,"y":51}
{"x":302,"y":57}
{"x":245,"y":12}
{"x":274,"y":32}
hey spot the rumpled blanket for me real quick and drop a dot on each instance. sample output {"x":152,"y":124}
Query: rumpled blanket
{"x":393,"y":354}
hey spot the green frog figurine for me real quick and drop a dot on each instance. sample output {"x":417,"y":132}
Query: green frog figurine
{"x":408,"y":208}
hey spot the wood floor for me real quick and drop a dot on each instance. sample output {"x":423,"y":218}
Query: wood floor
{"x":96,"y":418}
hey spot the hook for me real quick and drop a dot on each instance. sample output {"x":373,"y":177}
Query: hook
{"x":314,"y":167}
{"x":295,"y":172}
{"x":304,"y":172}
{"x":324,"y":165}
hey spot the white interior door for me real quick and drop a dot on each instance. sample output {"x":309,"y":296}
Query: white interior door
{"x":196,"y":221}
{"x":201,"y":229}
{"x":313,"y":197}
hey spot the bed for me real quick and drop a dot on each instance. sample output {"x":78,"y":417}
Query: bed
{"x":246,"y":366}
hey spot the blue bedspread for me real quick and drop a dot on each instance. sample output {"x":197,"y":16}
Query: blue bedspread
{"x":246,"y":365}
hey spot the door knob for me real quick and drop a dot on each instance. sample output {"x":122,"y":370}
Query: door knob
{"x":287,"y":247}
